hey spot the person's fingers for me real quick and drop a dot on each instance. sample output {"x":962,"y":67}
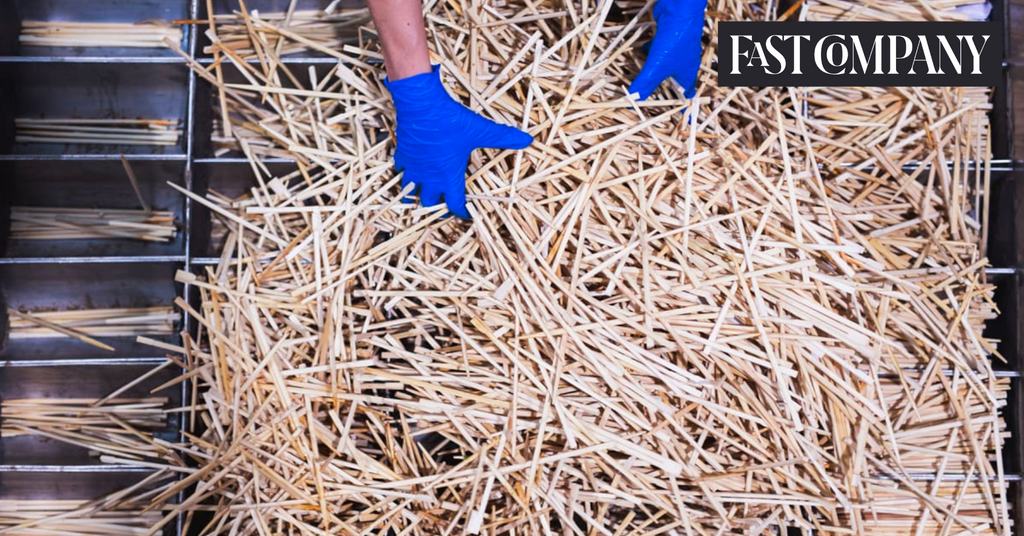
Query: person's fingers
{"x":675,"y":51}
{"x":430,"y":194}
{"x":492,"y":135}
{"x":687,"y":77}
{"x":407,"y":179}
{"x":455,"y":198}
{"x":648,"y":80}
{"x":656,"y":66}
{"x":689,"y":68}
{"x":690,"y":88}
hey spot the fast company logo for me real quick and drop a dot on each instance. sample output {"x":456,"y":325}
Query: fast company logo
{"x":760,"y":54}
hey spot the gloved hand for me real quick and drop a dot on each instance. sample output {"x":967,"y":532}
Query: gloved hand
{"x":676,"y":48}
{"x":436,"y":136}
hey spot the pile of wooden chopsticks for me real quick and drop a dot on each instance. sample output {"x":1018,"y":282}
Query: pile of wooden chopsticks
{"x":313,"y":29}
{"x":755,"y":311}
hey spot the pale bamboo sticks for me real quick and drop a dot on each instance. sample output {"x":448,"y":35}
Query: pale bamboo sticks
{"x":120,"y":322}
{"x":119,"y":428}
{"x":586,"y":344}
{"x":898,"y":10}
{"x":125,"y":511}
{"x":72,"y":518}
{"x":97,"y":131}
{"x":741,"y":319}
{"x":330,"y":30}
{"x":98,"y":34}
{"x":54,"y":223}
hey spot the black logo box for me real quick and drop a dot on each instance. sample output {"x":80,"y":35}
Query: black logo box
{"x":822,"y":45}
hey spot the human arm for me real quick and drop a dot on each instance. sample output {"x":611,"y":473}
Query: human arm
{"x":435,"y":134}
{"x":402,"y":35}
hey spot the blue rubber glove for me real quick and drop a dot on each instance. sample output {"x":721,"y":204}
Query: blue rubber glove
{"x":436,"y":136}
{"x":676,"y":49}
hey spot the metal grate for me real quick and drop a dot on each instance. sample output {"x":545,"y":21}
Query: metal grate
{"x":126,"y":83}
{"x":120,"y":83}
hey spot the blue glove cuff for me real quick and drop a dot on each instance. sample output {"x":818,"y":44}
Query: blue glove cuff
{"x":419,"y":94}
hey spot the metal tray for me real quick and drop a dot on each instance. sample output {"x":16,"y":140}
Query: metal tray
{"x":132,"y":83}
